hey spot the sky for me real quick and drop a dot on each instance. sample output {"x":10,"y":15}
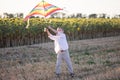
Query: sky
{"x":109,"y":7}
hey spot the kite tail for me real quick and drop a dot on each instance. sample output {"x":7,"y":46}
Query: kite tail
{"x":27,"y":23}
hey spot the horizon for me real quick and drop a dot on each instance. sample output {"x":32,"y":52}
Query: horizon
{"x":109,"y":7}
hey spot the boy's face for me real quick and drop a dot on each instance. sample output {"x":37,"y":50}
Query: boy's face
{"x":59,"y":29}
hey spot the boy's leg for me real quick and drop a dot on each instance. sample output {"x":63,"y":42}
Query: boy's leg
{"x":68,"y":61}
{"x":58,"y":63}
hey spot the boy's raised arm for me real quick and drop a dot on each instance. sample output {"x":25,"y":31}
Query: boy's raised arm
{"x":52,"y":29}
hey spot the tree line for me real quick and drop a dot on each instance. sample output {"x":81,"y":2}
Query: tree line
{"x":62,"y":15}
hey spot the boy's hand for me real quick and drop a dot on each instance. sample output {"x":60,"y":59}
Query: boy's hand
{"x":45,"y":29}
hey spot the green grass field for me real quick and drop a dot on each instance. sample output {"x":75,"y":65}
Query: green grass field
{"x":92,"y":59}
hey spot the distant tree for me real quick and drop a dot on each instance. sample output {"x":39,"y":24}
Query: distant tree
{"x":119,"y":15}
{"x":102,"y":15}
{"x":21,"y":15}
{"x":5,"y":15}
{"x":93,"y":16}
{"x":108,"y":17}
{"x":10,"y":15}
{"x":84,"y":16}
{"x":79,"y":15}
{"x":72,"y":16}
{"x":37,"y":17}
{"x":32,"y":17}
{"x":58,"y":15}
{"x":52,"y":16}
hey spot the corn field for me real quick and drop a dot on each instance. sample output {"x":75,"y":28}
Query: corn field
{"x":14,"y":33}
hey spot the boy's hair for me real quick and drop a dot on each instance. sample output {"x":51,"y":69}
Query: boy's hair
{"x":61,"y":29}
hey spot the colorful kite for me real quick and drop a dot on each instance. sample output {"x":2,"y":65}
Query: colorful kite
{"x":43,"y":8}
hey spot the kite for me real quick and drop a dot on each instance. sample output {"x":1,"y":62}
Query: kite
{"x":43,"y":8}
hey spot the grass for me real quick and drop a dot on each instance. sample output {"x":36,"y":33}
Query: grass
{"x":93,"y":60}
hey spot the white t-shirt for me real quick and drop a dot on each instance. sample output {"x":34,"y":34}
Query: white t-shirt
{"x":60,"y":41}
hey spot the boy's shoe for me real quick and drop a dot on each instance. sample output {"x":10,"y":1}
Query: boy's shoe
{"x":58,"y":75}
{"x":72,"y":74}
